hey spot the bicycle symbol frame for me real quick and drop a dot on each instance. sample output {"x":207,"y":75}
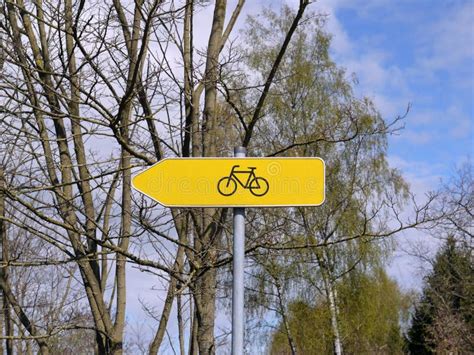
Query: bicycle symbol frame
{"x":257,"y":185}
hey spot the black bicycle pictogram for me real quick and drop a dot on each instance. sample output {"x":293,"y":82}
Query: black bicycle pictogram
{"x":257,"y":185}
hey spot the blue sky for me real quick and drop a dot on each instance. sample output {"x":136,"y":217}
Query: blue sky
{"x":419,"y":53}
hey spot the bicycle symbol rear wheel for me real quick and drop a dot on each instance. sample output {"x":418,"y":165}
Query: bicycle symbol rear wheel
{"x":258,"y":186}
{"x":226,"y":186}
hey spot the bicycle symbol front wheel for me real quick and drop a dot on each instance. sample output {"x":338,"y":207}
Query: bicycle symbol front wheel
{"x":226,"y":186}
{"x":259,"y":186}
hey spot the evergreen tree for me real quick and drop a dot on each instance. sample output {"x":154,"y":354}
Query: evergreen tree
{"x":443,"y":320}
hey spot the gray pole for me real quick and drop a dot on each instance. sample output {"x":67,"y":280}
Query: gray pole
{"x":238,"y":273}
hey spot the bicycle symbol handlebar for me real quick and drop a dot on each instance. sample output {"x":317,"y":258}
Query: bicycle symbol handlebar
{"x":257,"y":185}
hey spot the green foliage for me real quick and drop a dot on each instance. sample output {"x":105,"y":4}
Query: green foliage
{"x":310,"y":329}
{"x":312,"y":110}
{"x":370,"y":309}
{"x":443,"y":319}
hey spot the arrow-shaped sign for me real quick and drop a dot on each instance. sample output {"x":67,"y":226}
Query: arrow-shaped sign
{"x":234,"y":182}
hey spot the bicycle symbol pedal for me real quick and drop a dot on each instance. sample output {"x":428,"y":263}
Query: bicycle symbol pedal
{"x":257,"y":185}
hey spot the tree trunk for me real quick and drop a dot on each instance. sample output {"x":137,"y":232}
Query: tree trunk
{"x":193,"y":346}
{"x":7,"y":321}
{"x":160,"y":333}
{"x":205,"y":293}
{"x":125,"y":163}
{"x":332,"y":299}
{"x":2,"y":351}
{"x":180,"y":324}
{"x":281,"y":304}
{"x":206,"y":310}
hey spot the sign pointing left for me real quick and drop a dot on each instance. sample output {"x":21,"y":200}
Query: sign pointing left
{"x":234,"y":182}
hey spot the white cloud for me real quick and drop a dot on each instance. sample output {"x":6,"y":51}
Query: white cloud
{"x":421,"y":176}
{"x":461,"y":125}
{"x":427,"y":126}
{"x":341,"y":44}
{"x":450,"y":42}
{"x":417,"y":137}
{"x":422,"y":118}
{"x":462,"y":129}
{"x":367,"y":59}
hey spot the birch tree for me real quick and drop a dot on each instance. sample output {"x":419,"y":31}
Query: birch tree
{"x":314,"y":111}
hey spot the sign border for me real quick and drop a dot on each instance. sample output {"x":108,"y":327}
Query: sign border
{"x":232,"y":206}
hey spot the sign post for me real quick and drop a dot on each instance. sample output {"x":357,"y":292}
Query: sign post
{"x":238,"y":261}
{"x":236,"y":182}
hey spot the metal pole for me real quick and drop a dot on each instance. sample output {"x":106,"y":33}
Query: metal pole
{"x":238,"y":273}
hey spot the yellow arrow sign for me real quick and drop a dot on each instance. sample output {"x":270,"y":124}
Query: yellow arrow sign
{"x":234,"y":182}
